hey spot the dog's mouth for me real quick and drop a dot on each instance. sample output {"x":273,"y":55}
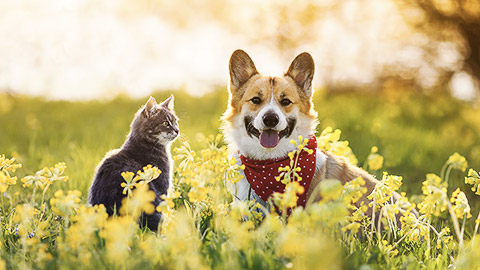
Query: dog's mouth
{"x":269,"y":138}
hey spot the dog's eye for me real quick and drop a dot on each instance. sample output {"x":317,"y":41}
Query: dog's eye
{"x":285,"y":102}
{"x":256,"y":100}
{"x":166,"y":123}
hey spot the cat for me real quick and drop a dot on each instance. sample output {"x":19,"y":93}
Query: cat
{"x":153,"y":129}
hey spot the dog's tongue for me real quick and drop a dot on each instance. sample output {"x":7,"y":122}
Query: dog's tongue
{"x":269,"y":138}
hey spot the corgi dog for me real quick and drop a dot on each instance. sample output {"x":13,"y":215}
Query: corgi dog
{"x":264,"y":114}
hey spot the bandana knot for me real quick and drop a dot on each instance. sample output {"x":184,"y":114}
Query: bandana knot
{"x":261,"y":173}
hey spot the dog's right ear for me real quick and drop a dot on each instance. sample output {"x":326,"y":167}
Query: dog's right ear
{"x":241,"y":68}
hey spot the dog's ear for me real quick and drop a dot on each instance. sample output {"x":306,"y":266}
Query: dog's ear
{"x":241,"y":68}
{"x":301,"y":71}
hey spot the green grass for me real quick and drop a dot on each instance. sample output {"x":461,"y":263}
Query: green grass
{"x":415,"y":133}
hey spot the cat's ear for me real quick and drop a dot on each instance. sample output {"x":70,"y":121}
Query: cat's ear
{"x":241,"y":69}
{"x":168,"y":103}
{"x":150,"y":107}
{"x":301,"y":71}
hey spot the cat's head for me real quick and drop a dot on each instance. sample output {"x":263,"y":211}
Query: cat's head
{"x":157,"y":122}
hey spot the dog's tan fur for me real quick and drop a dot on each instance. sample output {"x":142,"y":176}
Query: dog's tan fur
{"x":338,"y":168}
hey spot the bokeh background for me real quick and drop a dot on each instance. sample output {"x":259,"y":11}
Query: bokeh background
{"x":402,"y":75}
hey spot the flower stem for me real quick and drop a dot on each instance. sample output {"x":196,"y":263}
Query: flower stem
{"x":373,"y":224}
{"x":456,"y":226}
{"x":476,"y":228}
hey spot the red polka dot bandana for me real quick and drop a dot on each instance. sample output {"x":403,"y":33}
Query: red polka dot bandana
{"x":261,"y":173}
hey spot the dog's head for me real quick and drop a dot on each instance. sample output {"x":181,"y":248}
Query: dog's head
{"x":265,"y":113}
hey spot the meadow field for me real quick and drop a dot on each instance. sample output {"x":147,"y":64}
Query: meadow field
{"x":425,"y":146}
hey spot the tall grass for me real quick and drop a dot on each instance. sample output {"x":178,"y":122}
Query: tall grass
{"x":47,"y":224}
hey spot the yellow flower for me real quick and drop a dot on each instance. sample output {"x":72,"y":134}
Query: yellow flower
{"x":461,"y":206}
{"x":414,"y":228}
{"x":56,"y":173}
{"x":129,"y":184}
{"x":197,"y":194}
{"x":39,"y":179}
{"x":65,"y":205}
{"x":149,"y":173}
{"x":352,"y":226}
{"x":374,"y":160}
{"x":444,"y":238}
{"x":330,"y":190}
{"x":384,"y":188}
{"x":435,"y":191}
{"x":8,"y":165}
{"x":458,"y":162}
{"x":6,"y":181}
{"x":118,"y":233}
{"x":388,"y":249}
{"x":473,"y":178}
{"x":25,"y":217}
{"x":354,"y":190}
{"x":288,"y":199}
{"x":329,"y":141}
{"x":140,"y":201}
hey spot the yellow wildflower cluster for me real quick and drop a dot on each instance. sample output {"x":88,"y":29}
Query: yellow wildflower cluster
{"x":7,"y":166}
{"x":199,"y":175}
{"x":46,"y":176}
{"x":388,"y":249}
{"x":461,"y":206}
{"x":374,"y":160}
{"x":384,"y":189}
{"x":24,"y":216}
{"x":65,"y":204}
{"x":329,"y":141}
{"x":204,"y":227}
{"x":141,"y":178}
{"x":473,"y":178}
{"x":414,"y":228}
{"x":141,"y":201}
{"x":435,"y":191}
{"x":458,"y":162}
{"x":290,"y":172}
{"x":444,"y":238}
{"x":288,"y":199}
{"x":354,"y":190}
{"x":77,"y":243}
{"x":118,"y":233}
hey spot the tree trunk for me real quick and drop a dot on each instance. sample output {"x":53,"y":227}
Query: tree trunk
{"x":471,"y":32}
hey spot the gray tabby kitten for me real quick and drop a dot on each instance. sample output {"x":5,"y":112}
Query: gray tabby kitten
{"x":152,"y":131}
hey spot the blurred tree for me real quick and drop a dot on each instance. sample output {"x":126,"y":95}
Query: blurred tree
{"x":456,"y":21}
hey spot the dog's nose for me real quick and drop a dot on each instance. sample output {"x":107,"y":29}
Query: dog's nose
{"x":270,"y":119}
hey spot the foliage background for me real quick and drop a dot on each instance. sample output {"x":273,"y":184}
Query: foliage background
{"x":414,"y":132}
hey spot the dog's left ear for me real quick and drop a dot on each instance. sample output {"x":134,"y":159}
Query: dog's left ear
{"x":301,"y":70}
{"x":168,"y":103}
{"x":241,"y":68}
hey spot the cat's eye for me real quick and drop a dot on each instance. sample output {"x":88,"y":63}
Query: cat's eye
{"x":256,"y":100}
{"x":285,"y":102}
{"x":166,"y":123}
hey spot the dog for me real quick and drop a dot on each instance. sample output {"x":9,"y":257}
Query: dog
{"x":263,"y":115}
